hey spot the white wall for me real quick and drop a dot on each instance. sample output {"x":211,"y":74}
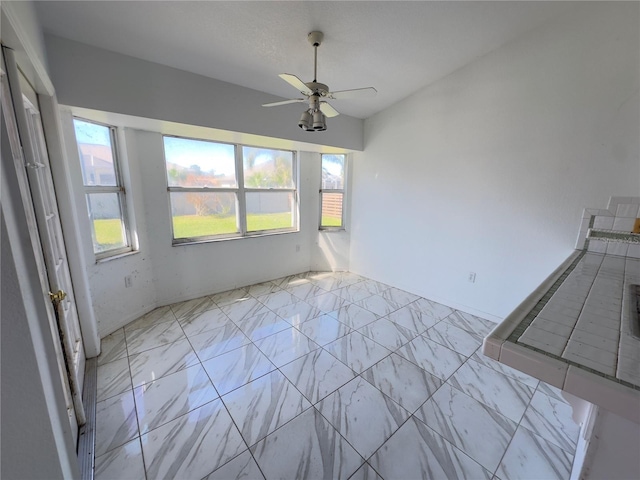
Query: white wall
{"x":94,"y":78}
{"x":330,"y":251}
{"x":488,"y":169}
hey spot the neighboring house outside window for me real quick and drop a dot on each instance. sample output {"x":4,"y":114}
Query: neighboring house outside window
{"x":103,"y":188}
{"x":332,"y":191}
{"x":219,"y":190}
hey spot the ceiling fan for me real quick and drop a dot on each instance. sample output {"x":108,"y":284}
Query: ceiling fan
{"x":314,"y":118}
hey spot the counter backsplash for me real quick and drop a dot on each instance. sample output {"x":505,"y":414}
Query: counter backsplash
{"x":613,"y":231}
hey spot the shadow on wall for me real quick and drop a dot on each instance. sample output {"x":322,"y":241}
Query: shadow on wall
{"x":332,"y":251}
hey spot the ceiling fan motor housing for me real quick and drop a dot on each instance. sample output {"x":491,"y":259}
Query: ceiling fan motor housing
{"x":318,"y":88}
{"x":314,"y":102}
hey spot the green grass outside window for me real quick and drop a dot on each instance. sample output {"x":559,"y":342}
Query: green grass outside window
{"x":109,"y":231}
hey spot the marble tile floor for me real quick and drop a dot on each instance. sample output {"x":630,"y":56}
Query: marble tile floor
{"x":320,"y":375}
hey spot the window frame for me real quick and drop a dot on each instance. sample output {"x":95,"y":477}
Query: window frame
{"x":343,"y":191}
{"x":240,"y":192}
{"x":118,"y":188}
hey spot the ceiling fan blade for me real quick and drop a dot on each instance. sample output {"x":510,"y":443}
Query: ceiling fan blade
{"x":296,"y":83}
{"x":284,"y":102}
{"x":328,"y":110}
{"x":355,"y":93}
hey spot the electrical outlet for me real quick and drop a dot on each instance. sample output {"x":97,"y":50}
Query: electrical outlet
{"x":472,"y":277}
{"x":127,"y":281}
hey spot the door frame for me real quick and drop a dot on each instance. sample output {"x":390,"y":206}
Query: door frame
{"x":20,"y":32}
{"x":37,"y":312}
{"x":35,"y":171}
{"x":69,"y":218}
{"x":15,"y":37}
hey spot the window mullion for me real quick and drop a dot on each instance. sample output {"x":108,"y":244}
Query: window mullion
{"x":102,"y":189}
{"x":345,"y":179}
{"x":242,"y":202}
{"x":268,"y":190}
{"x":202,"y":189}
{"x":296,"y":195}
{"x":124,"y":216}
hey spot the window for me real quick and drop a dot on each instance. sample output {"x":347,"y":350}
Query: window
{"x":103,"y":188}
{"x":332,"y":191}
{"x":219,"y":190}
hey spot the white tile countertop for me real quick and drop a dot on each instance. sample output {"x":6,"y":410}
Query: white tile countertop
{"x":575,"y":332}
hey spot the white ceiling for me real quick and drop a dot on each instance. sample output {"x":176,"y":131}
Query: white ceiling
{"x":397,"y":47}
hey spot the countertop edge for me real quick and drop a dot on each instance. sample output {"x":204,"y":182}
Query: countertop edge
{"x":598,"y":390}
{"x":492,"y":343}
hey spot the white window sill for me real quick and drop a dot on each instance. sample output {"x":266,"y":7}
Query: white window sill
{"x":227,"y":239}
{"x":117,"y":256}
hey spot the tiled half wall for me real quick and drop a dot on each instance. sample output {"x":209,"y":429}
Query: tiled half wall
{"x":610,"y":230}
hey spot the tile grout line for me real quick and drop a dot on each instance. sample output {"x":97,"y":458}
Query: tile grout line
{"x":431,"y":396}
{"x":573,"y":329}
{"x":222,"y":403}
{"x":516,"y":430}
{"x":359,"y":375}
{"x":312,"y":406}
{"x":135,"y":405}
{"x":571,"y":453}
{"x":517,"y":332}
{"x":127,"y":356}
{"x":487,"y":406}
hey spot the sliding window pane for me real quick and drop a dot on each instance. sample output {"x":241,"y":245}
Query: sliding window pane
{"x":265,"y":168}
{"x":96,"y":154}
{"x":198,"y":163}
{"x":332,"y":209}
{"x":106,"y":221}
{"x":333,"y":172}
{"x":269,"y":211}
{"x":203,"y":214}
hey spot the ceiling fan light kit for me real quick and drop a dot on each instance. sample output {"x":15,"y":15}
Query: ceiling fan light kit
{"x":306,"y":121}
{"x":319,"y":121}
{"x":314,"y":118}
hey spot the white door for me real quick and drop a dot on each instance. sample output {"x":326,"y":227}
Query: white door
{"x":36,"y":168}
{"x":46,"y":210}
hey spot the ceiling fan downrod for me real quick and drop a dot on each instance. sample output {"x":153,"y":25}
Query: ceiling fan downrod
{"x":315,"y":63}
{"x":315,"y":39}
